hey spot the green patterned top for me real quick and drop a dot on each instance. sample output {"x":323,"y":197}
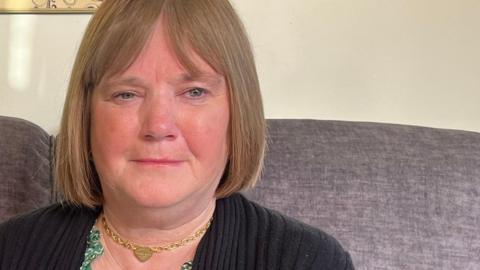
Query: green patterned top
{"x":95,"y":250}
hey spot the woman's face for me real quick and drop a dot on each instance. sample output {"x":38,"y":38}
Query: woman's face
{"x":158,"y":135}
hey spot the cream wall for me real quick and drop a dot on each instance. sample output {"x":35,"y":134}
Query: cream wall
{"x":398,"y":61}
{"x":36,"y":55}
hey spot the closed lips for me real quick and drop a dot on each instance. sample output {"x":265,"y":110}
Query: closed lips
{"x":162,"y":161}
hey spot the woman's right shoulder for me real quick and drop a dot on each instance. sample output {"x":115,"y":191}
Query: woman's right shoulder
{"x":53,"y":213}
{"x":44,"y":220}
{"x":47,"y":237}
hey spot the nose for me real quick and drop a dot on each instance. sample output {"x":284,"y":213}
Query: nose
{"x":158,"y":119}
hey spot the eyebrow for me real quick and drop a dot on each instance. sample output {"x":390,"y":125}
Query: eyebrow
{"x":130,"y":80}
{"x":212,"y":79}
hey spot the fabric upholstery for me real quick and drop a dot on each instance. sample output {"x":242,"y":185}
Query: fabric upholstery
{"x":396,"y":197}
{"x":25,"y":166}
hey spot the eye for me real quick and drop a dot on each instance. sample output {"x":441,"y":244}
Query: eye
{"x":196,"y":92}
{"x":124,"y":95}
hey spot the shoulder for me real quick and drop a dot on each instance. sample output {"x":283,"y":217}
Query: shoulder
{"x":300,"y":245}
{"x":55,"y":214}
{"x":40,"y":234}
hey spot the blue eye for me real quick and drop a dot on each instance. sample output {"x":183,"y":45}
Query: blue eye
{"x":196,"y":92}
{"x":125,"y":95}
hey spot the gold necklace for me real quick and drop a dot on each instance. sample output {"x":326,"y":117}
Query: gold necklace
{"x":143,"y":253}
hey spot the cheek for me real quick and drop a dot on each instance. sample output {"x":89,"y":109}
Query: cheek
{"x":109,"y":134}
{"x":207,"y":135}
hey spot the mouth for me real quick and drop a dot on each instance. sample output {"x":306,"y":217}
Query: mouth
{"x":158,"y":162}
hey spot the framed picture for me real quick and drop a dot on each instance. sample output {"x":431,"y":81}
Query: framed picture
{"x":49,"y":6}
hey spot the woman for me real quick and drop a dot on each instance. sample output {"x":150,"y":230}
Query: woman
{"x":163,"y":124}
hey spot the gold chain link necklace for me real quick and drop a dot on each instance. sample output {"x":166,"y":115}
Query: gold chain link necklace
{"x":143,"y":253}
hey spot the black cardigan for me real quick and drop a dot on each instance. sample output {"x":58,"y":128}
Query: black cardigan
{"x":242,"y":236}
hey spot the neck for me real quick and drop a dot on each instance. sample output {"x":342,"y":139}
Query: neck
{"x":157,"y":226}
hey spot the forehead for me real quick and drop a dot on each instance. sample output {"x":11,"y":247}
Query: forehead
{"x":158,"y":58}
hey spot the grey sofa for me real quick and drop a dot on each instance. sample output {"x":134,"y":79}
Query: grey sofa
{"x":397,"y":197}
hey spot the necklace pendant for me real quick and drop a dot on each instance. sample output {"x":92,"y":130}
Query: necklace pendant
{"x":143,"y":253}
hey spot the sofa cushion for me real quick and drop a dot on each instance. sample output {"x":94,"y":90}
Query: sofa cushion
{"x":25,"y":166}
{"x":397,"y":197}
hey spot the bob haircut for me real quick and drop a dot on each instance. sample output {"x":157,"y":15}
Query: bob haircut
{"x":114,"y":38}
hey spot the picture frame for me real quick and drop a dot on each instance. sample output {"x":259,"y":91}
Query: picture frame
{"x":48,"y":6}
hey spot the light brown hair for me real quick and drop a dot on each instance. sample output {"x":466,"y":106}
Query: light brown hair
{"x":113,"y":39}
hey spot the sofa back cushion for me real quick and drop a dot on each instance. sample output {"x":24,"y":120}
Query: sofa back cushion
{"x":397,"y":197}
{"x":25,"y":167}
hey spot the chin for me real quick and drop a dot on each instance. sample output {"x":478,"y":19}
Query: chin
{"x":151,"y":199}
{"x":167,"y":198}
